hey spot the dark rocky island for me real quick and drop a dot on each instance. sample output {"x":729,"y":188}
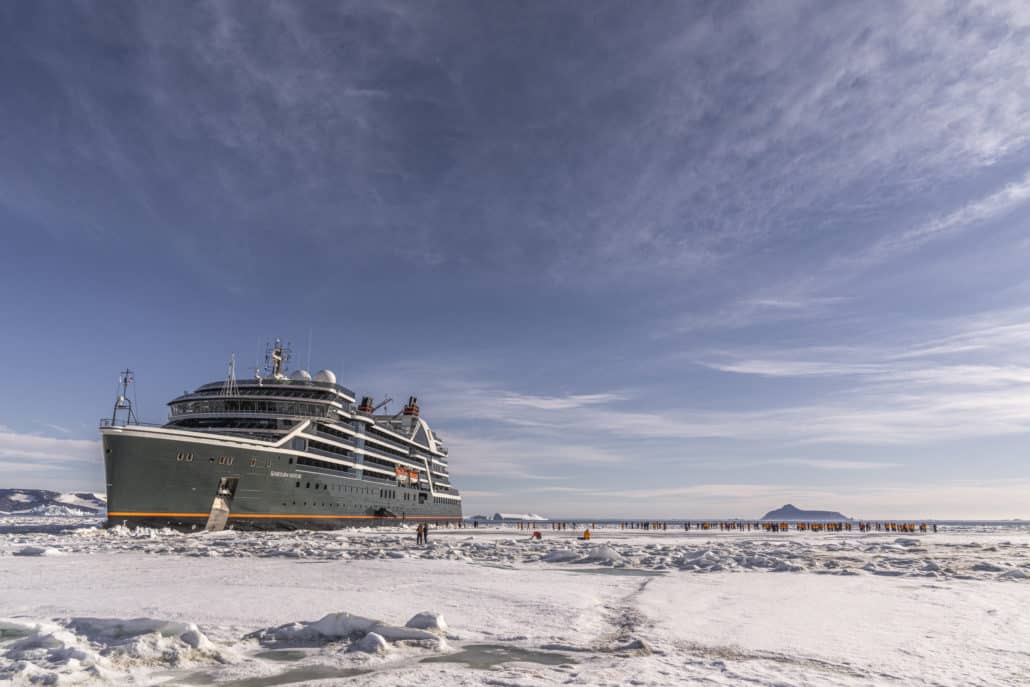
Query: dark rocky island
{"x":791,"y":513}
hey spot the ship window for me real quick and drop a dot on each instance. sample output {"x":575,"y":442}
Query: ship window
{"x":298,"y":484}
{"x":308,"y":485}
{"x":291,"y":461}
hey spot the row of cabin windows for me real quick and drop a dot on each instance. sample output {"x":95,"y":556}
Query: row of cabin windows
{"x":333,"y":432}
{"x":325,"y":464}
{"x":271,"y":391}
{"x":331,"y":505}
{"x":328,"y":448}
{"x":367,"y":475}
{"x":376,"y":477}
{"x":232,"y":423}
{"x":396,"y":455}
{"x":380,"y":462}
{"x":277,"y":407}
{"x":337,"y":487}
{"x":383,"y":436}
{"x":383,"y":493}
{"x":388,"y":449}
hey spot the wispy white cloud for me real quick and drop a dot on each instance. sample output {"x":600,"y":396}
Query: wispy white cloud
{"x":32,"y":449}
{"x":972,"y":215}
{"x":831,"y":464}
{"x":35,"y":461}
{"x":559,"y":402}
{"x":796,"y":368}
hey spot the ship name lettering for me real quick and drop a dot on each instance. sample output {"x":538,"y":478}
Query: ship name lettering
{"x":291,"y":475}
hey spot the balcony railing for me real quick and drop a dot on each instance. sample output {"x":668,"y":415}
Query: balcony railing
{"x":107,"y":422}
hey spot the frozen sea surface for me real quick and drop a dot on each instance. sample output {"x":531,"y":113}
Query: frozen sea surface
{"x":85,"y":605}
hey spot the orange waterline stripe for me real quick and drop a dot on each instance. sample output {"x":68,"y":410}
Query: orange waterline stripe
{"x":274,"y":515}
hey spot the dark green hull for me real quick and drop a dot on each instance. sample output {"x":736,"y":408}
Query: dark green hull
{"x":165,"y":479}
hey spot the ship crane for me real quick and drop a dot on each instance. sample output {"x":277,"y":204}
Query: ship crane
{"x":366,"y":404}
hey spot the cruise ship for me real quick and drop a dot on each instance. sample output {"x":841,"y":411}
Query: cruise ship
{"x":275,"y":452}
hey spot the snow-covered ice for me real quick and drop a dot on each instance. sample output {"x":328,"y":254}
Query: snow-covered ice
{"x":82,"y":604}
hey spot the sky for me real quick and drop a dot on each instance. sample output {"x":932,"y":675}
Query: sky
{"x":635,"y":259}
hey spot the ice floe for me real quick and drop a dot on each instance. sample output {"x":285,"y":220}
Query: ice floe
{"x":75,"y":650}
{"x":938,"y":556}
{"x":344,"y":626}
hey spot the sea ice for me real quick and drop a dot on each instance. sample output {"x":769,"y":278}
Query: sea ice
{"x":145,"y":606}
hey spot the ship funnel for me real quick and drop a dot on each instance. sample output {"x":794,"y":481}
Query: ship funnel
{"x":366,"y":404}
{"x":412,"y":407}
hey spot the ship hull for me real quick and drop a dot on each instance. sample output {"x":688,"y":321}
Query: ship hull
{"x":162,"y":478}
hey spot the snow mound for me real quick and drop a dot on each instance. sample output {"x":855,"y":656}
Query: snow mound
{"x":428,"y":620}
{"x":602,"y":554}
{"x":346,"y":627}
{"x":37,"y":551}
{"x":560,"y":556}
{"x":100,"y":649}
{"x":372,"y":643}
{"x":108,"y":631}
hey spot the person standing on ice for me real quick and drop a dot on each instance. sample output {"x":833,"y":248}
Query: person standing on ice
{"x":418,"y":535}
{"x":425,"y":533}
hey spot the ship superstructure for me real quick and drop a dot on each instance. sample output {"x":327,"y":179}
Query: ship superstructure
{"x":276,"y":451}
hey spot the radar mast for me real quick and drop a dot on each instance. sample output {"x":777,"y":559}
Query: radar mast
{"x":125,"y":378}
{"x":276,"y":357}
{"x":230,"y":388}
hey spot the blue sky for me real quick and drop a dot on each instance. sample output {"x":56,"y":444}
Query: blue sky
{"x":669,"y":259}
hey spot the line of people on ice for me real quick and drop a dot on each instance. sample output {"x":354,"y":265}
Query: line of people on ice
{"x":744,"y":526}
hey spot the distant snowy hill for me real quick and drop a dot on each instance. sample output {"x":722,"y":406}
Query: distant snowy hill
{"x":43,"y":502}
{"x":791,"y":512}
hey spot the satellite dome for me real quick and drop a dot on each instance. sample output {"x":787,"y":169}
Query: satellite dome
{"x":301,"y":376}
{"x":325,"y":376}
